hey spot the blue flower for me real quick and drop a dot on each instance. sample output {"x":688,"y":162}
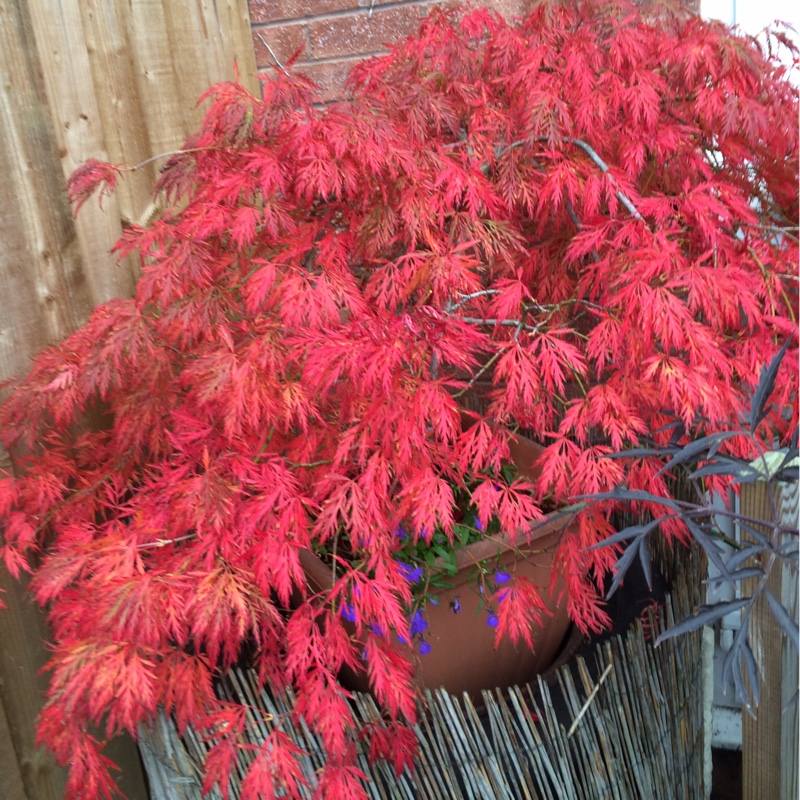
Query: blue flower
{"x":492,"y":621}
{"x":455,"y":605}
{"x":411,"y":574}
{"x":503,"y":594}
{"x":477,"y":523}
{"x":348,"y":612}
{"x":501,"y":577}
{"x":424,"y":648}
{"x":376,"y":629}
{"x":418,"y":623}
{"x":400,"y":532}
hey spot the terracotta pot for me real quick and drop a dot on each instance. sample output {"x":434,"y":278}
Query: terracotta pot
{"x":463,"y":657}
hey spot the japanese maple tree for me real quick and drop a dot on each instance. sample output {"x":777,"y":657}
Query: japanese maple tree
{"x":589,"y":218}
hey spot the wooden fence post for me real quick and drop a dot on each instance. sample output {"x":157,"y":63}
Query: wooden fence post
{"x":770,"y":741}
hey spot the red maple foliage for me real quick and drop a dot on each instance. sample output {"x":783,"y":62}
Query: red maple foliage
{"x":594,"y":212}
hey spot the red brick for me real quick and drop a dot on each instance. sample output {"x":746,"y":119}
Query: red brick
{"x":330,"y":75}
{"x":512,"y":9}
{"x":508,"y":9}
{"x":273,"y":10}
{"x":362,"y":34}
{"x":283,"y":39}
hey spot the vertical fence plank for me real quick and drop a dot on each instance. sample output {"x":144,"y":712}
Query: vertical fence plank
{"x":23,"y":633}
{"x":73,"y":99}
{"x":11,"y":785}
{"x":769,"y":741}
{"x":81,"y":79}
{"x":39,"y":259}
{"x":121,"y":105}
{"x":39,"y":265}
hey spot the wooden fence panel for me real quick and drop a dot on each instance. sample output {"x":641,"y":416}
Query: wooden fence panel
{"x":39,"y":259}
{"x":115,"y":80}
{"x":770,"y":739}
{"x":72,"y":98}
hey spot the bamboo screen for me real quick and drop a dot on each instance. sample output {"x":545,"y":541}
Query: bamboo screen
{"x":623,"y":723}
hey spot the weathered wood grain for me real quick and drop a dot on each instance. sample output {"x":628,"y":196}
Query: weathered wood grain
{"x":770,"y":739}
{"x":79,"y":79}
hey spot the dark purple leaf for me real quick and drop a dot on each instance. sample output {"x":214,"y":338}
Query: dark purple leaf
{"x":766,"y":386}
{"x":711,"y":547}
{"x":644,"y":557}
{"x":756,"y":534}
{"x":752,"y":672}
{"x":738,"y":575}
{"x":623,"y":564}
{"x":629,"y":533}
{"x":642,"y":452}
{"x":694,"y":450}
{"x":726,"y":465}
{"x":788,"y":550}
{"x":705,"y":616}
{"x":741,"y":556}
{"x":678,"y":433}
{"x":633,"y":496}
{"x":732,"y":669}
{"x":788,"y":625}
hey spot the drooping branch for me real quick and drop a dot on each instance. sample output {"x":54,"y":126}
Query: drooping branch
{"x":592,"y":153}
{"x":604,"y":167}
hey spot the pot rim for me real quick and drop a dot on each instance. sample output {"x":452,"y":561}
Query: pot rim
{"x":490,"y":546}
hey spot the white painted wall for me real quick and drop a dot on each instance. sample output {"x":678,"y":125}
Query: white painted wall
{"x":752,"y":16}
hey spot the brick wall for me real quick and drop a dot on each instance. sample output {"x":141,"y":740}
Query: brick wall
{"x":337,"y":33}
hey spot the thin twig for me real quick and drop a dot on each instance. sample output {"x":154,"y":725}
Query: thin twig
{"x":435,"y":365}
{"x":577,"y":223}
{"x":309,"y":464}
{"x":512,"y":323}
{"x":592,"y":153}
{"x":588,"y":701}
{"x":604,"y":167}
{"x":168,"y":154}
{"x":765,"y":275}
{"x":465,"y":298}
{"x":478,"y":374}
{"x":165,"y":542}
{"x":272,"y":53}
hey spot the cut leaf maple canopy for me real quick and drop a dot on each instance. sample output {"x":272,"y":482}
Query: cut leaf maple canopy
{"x":590,"y":215}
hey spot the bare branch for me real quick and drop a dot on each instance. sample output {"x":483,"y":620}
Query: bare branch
{"x":604,"y":167}
{"x":511,"y":323}
{"x":168,"y":154}
{"x":487,"y":366}
{"x":592,"y":153}
{"x":465,"y":298}
{"x":272,"y":53}
{"x":165,"y":542}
